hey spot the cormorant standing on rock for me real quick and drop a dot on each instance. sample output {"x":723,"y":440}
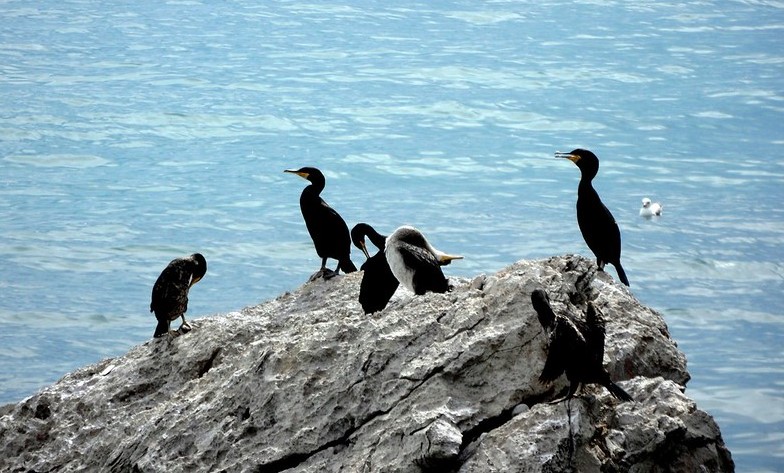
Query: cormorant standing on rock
{"x":596,"y":223}
{"x":326,"y":227}
{"x":415,"y":263}
{"x":574,"y":347}
{"x":170,"y":292}
{"x":378,"y":283}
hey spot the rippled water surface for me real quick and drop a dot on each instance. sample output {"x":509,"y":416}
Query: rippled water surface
{"x":131,"y":134}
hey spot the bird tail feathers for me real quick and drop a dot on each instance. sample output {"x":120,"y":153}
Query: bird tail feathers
{"x":618,"y":392}
{"x":161,"y":329}
{"x":621,"y":273}
{"x":347,"y":266}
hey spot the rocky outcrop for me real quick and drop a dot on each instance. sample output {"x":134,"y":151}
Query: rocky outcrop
{"x":434,"y":383}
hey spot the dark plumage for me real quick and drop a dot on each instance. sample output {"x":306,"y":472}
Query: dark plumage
{"x":378,"y":283}
{"x":327,"y":228}
{"x":597,"y":224}
{"x":575,"y":347}
{"x":415,"y":263}
{"x":170,"y":292}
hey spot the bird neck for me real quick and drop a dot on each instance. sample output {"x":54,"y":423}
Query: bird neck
{"x":314,"y":189}
{"x":378,"y":240}
{"x":588,"y":172}
{"x":585,"y":186}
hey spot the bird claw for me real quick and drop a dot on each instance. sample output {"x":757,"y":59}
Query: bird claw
{"x":559,"y":400}
{"x":323,"y":273}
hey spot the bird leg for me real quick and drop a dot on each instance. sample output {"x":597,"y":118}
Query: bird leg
{"x":168,"y":330}
{"x":559,"y":400}
{"x":572,"y":439}
{"x":323,"y":272}
{"x":172,"y":333}
{"x":327,"y":273}
{"x":573,"y":387}
{"x":185,"y":327}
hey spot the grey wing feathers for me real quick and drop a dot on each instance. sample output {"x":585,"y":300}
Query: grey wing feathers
{"x":416,"y":257}
{"x":428,"y":275}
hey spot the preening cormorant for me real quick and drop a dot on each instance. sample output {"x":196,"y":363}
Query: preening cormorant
{"x":597,"y":224}
{"x":415,"y":263}
{"x":574,"y":347}
{"x":170,"y":292}
{"x":378,"y":283}
{"x":326,"y":227}
{"x":650,"y":209}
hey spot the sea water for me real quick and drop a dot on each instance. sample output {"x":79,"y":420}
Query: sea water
{"x":134,"y":133}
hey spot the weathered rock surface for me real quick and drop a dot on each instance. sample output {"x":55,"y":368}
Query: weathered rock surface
{"x":438,"y":383}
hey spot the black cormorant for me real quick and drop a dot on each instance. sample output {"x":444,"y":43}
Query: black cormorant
{"x":415,"y":263}
{"x":574,"y":347}
{"x":170,"y":292}
{"x":326,"y":227}
{"x":378,"y":283}
{"x":596,"y":223}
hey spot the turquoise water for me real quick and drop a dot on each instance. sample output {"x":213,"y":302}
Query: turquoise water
{"x":132,"y":134}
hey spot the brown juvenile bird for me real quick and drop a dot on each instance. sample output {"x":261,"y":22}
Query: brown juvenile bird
{"x":170,"y":292}
{"x":574,"y":347}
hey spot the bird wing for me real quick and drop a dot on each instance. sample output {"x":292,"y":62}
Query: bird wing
{"x":415,"y":257}
{"x":542,"y":307}
{"x":378,"y":284}
{"x":317,"y":213}
{"x":564,"y":341}
{"x":170,"y":292}
{"x":598,"y":227}
{"x":427,"y":272}
{"x":600,"y":222}
{"x":555,"y":364}
{"x":327,"y":228}
{"x":594,"y":334}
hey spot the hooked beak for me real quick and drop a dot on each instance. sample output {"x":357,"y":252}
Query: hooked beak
{"x":571,"y":157}
{"x":303,"y":175}
{"x":363,"y":247}
{"x":444,"y":259}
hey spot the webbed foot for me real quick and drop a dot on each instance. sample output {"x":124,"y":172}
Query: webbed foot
{"x":324,"y":273}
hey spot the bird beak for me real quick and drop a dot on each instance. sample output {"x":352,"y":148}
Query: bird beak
{"x":572,"y":157}
{"x":444,"y":259}
{"x":303,"y":175}
{"x":364,"y":248}
{"x":194,"y":281}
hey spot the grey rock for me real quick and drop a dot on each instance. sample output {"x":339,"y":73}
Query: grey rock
{"x":442,"y":382}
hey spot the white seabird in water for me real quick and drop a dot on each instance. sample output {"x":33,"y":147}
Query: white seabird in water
{"x":650,"y":209}
{"x":415,"y":263}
